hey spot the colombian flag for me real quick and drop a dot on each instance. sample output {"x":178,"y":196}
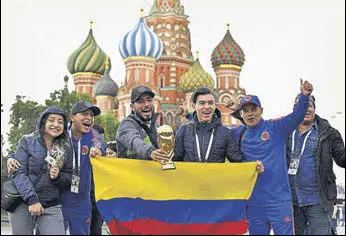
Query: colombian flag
{"x":137,"y":197}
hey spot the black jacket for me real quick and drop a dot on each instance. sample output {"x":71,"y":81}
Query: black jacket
{"x":330,"y":147}
{"x":224,"y":145}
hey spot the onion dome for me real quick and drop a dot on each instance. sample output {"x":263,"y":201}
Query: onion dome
{"x":88,"y":57}
{"x":195,"y":77}
{"x":141,"y":41}
{"x":161,"y":7}
{"x":105,"y":86}
{"x":227,"y":52}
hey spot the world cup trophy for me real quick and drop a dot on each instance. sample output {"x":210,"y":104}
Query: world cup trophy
{"x":165,"y":139}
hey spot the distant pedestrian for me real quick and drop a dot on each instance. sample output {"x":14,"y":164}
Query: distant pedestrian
{"x":111,"y":149}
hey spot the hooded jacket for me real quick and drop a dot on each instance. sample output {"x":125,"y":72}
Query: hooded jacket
{"x":32,"y":178}
{"x":223,"y":146}
{"x":135,"y":139}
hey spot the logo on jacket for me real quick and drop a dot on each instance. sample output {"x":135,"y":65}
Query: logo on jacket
{"x":287,"y":219}
{"x":265,"y":136}
{"x":85,"y":150}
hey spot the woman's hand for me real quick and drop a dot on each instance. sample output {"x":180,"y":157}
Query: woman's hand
{"x":36,"y":209}
{"x":54,"y":172}
{"x":12,"y":165}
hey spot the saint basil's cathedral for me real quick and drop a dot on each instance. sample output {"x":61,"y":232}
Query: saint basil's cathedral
{"x":157,"y":54}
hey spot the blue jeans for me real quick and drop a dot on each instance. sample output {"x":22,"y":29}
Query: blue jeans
{"x":319,"y":221}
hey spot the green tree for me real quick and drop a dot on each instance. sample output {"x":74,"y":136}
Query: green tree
{"x":110,"y":124}
{"x":65,"y":100}
{"x":24,"y":114}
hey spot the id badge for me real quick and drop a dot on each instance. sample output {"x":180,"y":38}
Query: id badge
{"x":50,"y":160}
{"x":75,"y":184}
{"x":293,"y":166}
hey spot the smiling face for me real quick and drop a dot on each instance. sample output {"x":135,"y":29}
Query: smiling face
{"x":144,"y":107}
{"x":252,"y":114}
{"x":205,"y":107}
{"x":54,"y":125}
{"x":82,"y":123}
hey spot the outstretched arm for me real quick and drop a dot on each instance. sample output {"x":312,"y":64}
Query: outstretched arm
{"x":290,"y":122}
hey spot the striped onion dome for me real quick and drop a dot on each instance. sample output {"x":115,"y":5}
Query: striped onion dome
{"x":195,"y":77}
{"x":141,"y":41}
{"x":88,"y":57}
{"x":105,"y":86}
{"x":227,"y":52}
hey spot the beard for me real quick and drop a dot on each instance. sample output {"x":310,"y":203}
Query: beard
{"x":145,"y":118}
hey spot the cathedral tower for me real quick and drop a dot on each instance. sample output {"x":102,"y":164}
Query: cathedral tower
{"x":87,"y":64}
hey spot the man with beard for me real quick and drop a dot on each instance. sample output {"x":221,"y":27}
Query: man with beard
{"x":270,"y":205}
{"x":137,"y":134}
{"x":311,"y":149}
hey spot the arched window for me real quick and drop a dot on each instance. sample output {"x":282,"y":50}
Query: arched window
{"x":136,"y":75}
{"x":177,"y":120}
{"x":169,"y":119}
{"x":147,"y":76}
{"x":162,"y":82}
{"x":127,"y":76}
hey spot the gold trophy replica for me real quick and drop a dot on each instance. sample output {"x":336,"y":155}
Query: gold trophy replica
{"x":165,"y":139}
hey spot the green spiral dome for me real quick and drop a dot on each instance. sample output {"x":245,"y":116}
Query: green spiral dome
{"x":88,"y":57}
{"x":196,"y":77}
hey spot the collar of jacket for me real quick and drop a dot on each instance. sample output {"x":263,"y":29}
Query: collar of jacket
{"x":323,"y":127}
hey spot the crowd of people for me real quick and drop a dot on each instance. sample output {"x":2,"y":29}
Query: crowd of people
{"x":295,"y":187}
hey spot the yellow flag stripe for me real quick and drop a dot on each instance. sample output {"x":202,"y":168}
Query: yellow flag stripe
{"x":127,"y":178}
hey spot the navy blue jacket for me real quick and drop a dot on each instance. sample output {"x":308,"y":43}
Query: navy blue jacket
{"x":224,"y":145}
{"x":266,"y":142}
{"x":32,"y":178}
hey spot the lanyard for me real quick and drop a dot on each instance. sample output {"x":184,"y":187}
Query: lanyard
{"x":209,"y":146}
{"x":304,"y":143}
{"x":74,"y":154}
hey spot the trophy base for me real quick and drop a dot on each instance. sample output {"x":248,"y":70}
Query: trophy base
{"x":169,"y":165}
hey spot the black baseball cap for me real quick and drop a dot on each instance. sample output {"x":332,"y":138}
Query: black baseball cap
{"x":138,"y":91}
{"x":82,"y":106}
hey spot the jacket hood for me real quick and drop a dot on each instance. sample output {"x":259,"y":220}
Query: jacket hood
{"x":45,"y":113}
{"x":322,"y":124}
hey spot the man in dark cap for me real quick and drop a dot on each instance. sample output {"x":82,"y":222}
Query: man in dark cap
{"x":311,"y":149}
{"x":137,"y":134}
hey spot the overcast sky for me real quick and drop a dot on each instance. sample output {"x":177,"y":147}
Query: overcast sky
{"x":283,"y":40}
